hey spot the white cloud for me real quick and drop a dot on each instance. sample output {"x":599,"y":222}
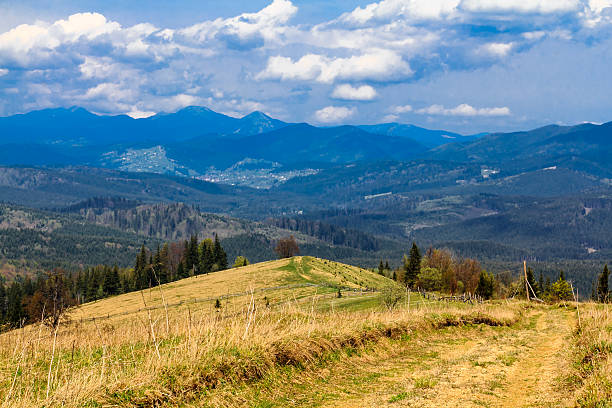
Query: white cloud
{"x":334,"y":114}
{"x":410,"y":9}
{"x":109,"y":91}
{"x":268,"y":23}
{"x":377,"y":65}
{"x":138,"y":114}
{"x":463,"y":110}
{"x":3,"y":71}
{"x":521,"y":6}
{"x":390,"y":118}
{"x":350,"y":93}
{"x":497,"y":49}
{"x":398,"y":110}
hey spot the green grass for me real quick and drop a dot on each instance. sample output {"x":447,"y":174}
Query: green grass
{"x":398,"y":397}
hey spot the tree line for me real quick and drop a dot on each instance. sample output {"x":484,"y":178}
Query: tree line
{"x":28,"y":300}
{"x":441,"y":271}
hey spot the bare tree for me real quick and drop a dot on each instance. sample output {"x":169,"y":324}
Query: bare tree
{"x":287,"y":247}
{"x":51,"y":302}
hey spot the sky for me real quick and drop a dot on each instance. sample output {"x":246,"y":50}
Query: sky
{"x":463,"y":65}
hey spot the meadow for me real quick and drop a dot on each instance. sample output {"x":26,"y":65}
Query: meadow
{"x":281,"y":333}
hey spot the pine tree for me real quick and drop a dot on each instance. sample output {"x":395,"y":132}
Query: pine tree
{"x":381,"y":268}
{"x":140,"y":276}
{"x":532,"y":282}
{"x":111,"y":282}
{"x":14,"y":308}
{"x":412,"y":266}
{"x":206,"y":256}
{"x":164,"y":265}
{"x":219,"y":255}
{"x":603,"y":292}
{"x":540,"y":291}
{"x":180,"y":271}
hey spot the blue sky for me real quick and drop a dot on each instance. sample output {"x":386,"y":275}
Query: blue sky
{"x":462,"y":65}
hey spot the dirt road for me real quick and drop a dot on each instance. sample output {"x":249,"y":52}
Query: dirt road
{"x":490,"y":367}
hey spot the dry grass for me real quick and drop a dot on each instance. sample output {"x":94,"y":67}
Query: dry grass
{"x":154,"y":358}
{"x":273,"y":276}
{"x":593,"y":357}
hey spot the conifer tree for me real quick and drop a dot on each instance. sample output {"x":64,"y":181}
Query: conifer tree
{"x":219,"y":255}
{"x":603,"y":292}
{"x":540,"y":285}
{"x":14,"y":308}
{"x":164,"y":264}
{"x":111,"y":282}
{"x":140,"y":277}
{"x":532,"y":281}
{"x":412,"y":266}
{"x":381,"y":268}
{"x":180,"y":271}
{"x":207,"y":257}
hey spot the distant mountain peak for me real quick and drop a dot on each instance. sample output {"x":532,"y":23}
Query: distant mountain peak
{"x":257,"y":115}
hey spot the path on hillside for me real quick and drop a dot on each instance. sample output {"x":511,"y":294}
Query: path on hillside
{"x":491,"y":367}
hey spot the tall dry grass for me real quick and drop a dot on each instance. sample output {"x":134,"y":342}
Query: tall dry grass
{"x":159,"y":358}
{"x":592,"y":351}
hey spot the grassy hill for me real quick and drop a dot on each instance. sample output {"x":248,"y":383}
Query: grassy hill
{"x":281,"y":338}
{"x":269,"y":282}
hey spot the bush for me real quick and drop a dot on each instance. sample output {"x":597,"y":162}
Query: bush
{"x":391,"y":295}
{"x":430,"y":279}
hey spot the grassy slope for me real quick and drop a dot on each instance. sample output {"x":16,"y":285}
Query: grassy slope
{"x":275,"y":280}
{"x":290,"y":346}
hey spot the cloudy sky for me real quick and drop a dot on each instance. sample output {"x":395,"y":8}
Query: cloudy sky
{"x":462,"y":65}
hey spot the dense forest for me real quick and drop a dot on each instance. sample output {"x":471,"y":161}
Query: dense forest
{"x":26,"y":300}
{"x":329,"y":233}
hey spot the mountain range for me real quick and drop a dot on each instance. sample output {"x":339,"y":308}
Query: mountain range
{"x":195,"y":140}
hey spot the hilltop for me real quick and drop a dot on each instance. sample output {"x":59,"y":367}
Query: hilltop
{"x":270,"y":282}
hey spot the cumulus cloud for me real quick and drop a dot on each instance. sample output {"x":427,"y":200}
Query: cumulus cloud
{"x":377,"y":65}
{"x":351,"y":93}
{"x":398,"y":110}
{"x":521,"y":6}
{"x":463,"y":110}
{"x":334,"y":114}
{"x":253,"y":60}
{"x":248,"y":30}
{"x":412,"y":9}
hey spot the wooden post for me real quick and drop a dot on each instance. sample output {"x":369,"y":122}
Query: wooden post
{"x":526,"y":283}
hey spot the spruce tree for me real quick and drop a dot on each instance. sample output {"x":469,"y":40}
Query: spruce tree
{"x":219,"y":255}
{"x":164,"y":264}
{"x":412,"y":266}
{"x":381,"y":268}
{"x":532,"y":282}
{"x":180,"y":271}
{"x":603,"y":292}
{"x":206,"y":256}
{"x":14,"y":308}
{"x":540,"y":291}
{"x":111,"y":282}
{"x":140,"y":277}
